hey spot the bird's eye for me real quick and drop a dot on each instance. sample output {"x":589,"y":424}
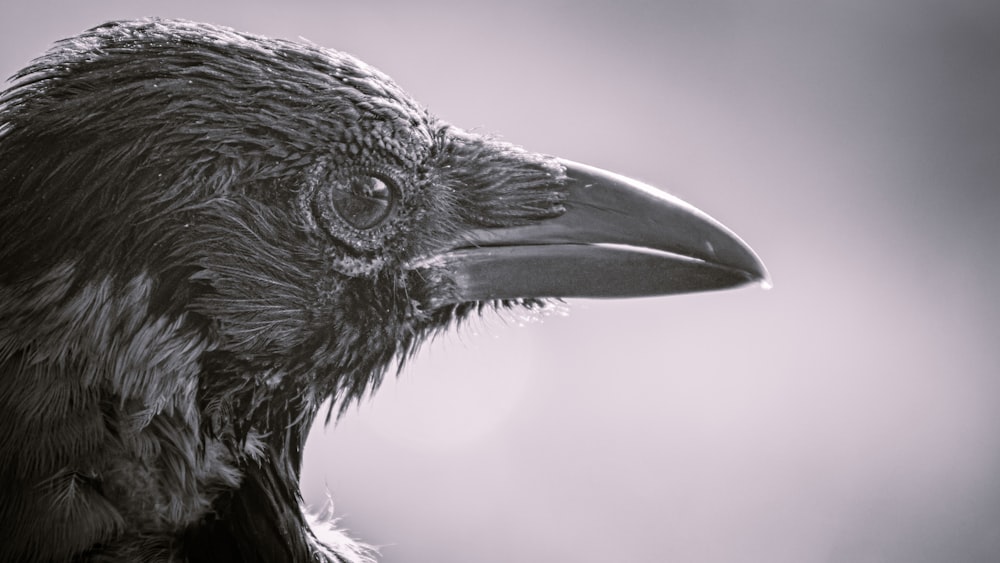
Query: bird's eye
{"x":364,"y":202}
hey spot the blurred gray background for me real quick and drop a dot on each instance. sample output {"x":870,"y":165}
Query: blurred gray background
{"x":848,"y":415}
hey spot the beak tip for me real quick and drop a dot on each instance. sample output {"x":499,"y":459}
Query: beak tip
{"x":758,"y":272}
{"x":762,"y":281}
{"x":725,"y":248}
{"x":764,"y":277}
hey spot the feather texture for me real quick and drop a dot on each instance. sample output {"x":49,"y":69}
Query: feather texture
{"x":179,"y":292}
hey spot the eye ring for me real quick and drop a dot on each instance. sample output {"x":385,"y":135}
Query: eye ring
{"x":365,"y":200}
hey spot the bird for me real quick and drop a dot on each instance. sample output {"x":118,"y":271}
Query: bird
{"x":208,"y":235}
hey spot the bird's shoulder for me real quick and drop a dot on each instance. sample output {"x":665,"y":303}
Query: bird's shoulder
{"x":101,"y":436}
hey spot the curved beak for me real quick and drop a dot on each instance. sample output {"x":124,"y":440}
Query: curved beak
{"x":618,"y":238}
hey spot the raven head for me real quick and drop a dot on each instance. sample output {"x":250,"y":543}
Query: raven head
{"x":206,"y":234}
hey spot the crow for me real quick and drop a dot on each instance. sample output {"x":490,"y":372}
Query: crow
{"x":206,"y":235}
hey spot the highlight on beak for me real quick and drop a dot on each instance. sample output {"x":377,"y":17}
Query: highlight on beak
{"x":618,"y":238}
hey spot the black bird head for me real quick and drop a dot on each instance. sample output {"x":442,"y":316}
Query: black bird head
{"x":204,"y":235}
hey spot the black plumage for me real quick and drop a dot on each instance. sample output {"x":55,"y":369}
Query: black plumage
{"x":204,"y":235}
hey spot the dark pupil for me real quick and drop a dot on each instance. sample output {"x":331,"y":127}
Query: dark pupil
{"x":365,"y":203}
